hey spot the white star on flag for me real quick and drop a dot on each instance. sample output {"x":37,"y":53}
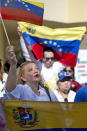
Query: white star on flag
{"x":6,"y":4}
{"x":58,"y":46}
{"x":50,"y":42}
{"x":26,"y":5}
{"x":23,"y":3}
{"x":28,"y":9}
{"x":54,"y":43}
{"x":45,"y":42}
{"x":60,"y":50}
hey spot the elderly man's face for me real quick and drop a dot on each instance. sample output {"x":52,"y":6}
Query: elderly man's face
{"x":48,"y":59}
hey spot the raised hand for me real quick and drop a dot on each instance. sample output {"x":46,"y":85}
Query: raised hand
{"x":10,"y":55}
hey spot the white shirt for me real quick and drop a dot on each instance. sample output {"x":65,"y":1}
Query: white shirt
{"x":60,"y":98}
{"x":49,"y":74}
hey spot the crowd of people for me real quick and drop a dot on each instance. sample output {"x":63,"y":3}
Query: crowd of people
{"x":34,"y":80}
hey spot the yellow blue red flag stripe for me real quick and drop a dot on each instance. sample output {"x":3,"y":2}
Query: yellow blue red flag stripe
{"x":22,"y":10}
{"x":34,"y":3}
{"x":64,"y":41}
{"x":45,"y":116}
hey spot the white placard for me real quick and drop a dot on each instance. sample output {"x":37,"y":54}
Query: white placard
{"x":81,"y":67}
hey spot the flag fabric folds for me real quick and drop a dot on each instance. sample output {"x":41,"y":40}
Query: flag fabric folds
{"x":45,"y":116}
{"x":64,"y":41}
{"x":22,"y":10}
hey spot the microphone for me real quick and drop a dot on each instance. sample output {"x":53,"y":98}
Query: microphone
{"x":66,"y":100}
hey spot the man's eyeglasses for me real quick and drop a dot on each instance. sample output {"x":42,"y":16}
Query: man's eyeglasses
{"x":49,"y":58}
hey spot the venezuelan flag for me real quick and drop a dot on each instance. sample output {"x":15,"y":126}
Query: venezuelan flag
{"x":45,"y":116}
{"x":22,"y":10}
{"x":64,"y":41}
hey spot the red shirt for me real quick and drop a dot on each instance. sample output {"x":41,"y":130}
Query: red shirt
{"x":75,"y":85}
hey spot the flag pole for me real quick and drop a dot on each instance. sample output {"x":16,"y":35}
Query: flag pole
{"x":5,"y":30}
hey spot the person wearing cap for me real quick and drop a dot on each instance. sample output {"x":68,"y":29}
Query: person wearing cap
{"x":64,"y":93}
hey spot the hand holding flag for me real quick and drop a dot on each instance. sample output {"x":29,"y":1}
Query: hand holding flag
{"x":10,"y":55}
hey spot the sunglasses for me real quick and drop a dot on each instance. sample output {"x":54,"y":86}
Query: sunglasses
{"x":49,"y":58}
{"x":69,"y":71}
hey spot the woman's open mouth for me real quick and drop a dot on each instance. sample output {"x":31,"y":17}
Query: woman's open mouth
{"x":36,"y":75}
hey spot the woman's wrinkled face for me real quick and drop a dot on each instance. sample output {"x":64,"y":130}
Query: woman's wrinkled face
{"x":30,"y":73}
{"x":64,"y":86}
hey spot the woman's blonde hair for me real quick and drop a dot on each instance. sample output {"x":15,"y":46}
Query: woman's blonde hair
{"x":20,"y":72}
